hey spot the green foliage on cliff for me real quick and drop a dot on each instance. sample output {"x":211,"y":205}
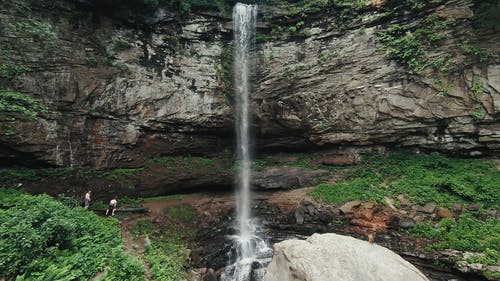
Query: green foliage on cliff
{"x":14,"y":102}
{"x":42,"y":239}
{"x":421,"y":178}
{"x":467,"y":233}
{"x":411,"y":47}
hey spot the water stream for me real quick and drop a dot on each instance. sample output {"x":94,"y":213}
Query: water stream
{"x":249,"y":253}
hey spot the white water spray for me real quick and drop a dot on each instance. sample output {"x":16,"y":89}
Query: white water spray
{"x":250,"y":251}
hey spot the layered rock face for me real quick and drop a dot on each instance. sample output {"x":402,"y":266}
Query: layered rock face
{"x":336,"y":257}
{"x":121,"y":92}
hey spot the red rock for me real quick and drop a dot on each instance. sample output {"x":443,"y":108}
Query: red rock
{"x":444,"y":213}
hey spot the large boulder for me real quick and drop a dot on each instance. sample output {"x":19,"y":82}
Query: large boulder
{"x":335,"y":257}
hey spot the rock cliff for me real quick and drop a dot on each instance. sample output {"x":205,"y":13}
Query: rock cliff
{"x":121,"y":90}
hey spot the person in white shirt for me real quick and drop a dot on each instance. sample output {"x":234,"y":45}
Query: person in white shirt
{"x":86,"y":200}
{"x":112,"y":207}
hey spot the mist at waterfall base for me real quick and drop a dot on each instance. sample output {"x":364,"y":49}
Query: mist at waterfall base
{"x":249,"y":253}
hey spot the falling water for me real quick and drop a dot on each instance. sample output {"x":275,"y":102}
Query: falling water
{"x":250,"y":252}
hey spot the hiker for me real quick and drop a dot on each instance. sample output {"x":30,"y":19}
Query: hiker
{"x":112,"y":206}
{"x":86,"y":200}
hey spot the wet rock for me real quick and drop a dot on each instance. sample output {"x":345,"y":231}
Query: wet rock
{"x":299,"y":215}
{"x":210,"y":275}
{"x":324,"y":256}
{"x":196,"y":275}
{"x":444,"y":213}
{"x":325,"y":217}
{"x":400,"y":221}
{"x":311,"y":210}
{"x":348,"y":207}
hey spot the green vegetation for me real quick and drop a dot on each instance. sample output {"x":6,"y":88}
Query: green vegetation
{"x":115,"y":174}
{"x":181,"y":213}
{"x":486,"y":16}
{"x":478,"y":112}
{"x":479,"y":54}
{"x":421,"y":178}
{"x":411,"y":47}
{"x":442,"y":87}
{"x":42,"y":239}
{"x":477,"y":87}
{"x":12,"y":176}
{"x":167,"y":254}
{"x":467,"y":233}
{"x":34,"y":30}
{"x":14,"y":104}
{"x":121,"y":45}
{"x":194,"y":163}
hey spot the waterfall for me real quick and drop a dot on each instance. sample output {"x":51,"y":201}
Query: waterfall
{"x":244,"y":17}
{"x":249,"y":253}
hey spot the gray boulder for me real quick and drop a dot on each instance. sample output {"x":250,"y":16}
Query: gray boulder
{"x":330,"y":256}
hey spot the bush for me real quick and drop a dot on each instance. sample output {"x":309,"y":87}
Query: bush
{"x":42,"y":239}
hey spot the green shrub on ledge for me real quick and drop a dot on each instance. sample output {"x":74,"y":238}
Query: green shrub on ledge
{"x":42,"y":239}
{"x":421,"y":178}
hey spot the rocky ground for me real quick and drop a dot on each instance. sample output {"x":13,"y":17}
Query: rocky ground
{"x":294,"y":213}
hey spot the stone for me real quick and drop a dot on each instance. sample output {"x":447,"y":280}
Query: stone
{"x":474,"y":207}
{"x":365,"y":213}
{"x":311,"y":210}
{"x":444,"y":213}
{"x":403,"y":201}
{"x":457,"y":207}
{"x":325,"y":217}
{"x":299,"y":215}
{"x":335,"y":257}
{"x":210,"y":275}
{"x":428,"y":208}
{"x":400,"y":221}
{"x":390,"y":203}
{"x":419,"y":219}
{"x":348,"y":207}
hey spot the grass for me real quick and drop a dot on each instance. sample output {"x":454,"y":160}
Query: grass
{"x":167,"y":254}
{"x":181,"y":213}
{"x":421,"y":178}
